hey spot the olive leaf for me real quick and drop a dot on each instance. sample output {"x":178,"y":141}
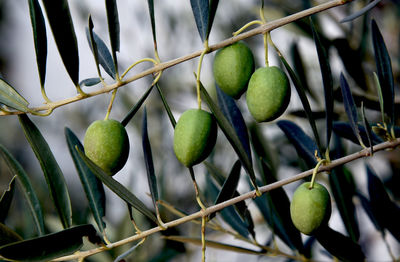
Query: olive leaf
{"x":6,"y":199}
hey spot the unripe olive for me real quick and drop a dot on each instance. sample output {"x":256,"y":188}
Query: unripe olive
{"x":106,"y":143}
{"x":194,"y":136}
{"x":233,"y":66}
{"x":268,"y":93}
{"x":310,"y":208}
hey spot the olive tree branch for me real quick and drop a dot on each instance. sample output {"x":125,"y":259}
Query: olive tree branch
{"x":262,"y":29}
{"x":249,"y":195}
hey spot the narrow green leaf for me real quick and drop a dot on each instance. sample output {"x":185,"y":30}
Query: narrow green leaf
{"x":113,"y":29}
{"x":211,"y":15}
{"x":304,"y":145}
{"x":360,"y":12}
{"x":136,"y":107}
{"x":241,"y":206}
{"x":304,"y":101}
{"x":39,"y":38}
{"x":279,"y":206}
{"x":367,"y":128}
{"x":213,"y":244}
{"x":231,"y":135}
{"x":148,"y":159}
{"x":7,"y":235}
{"x":166,"y":106}
{"x":101,"y":53}
{"x":366,"y":204}
{"x":201,"y":14}
{"x":92,"y":186}
{"x":90,"y":81}
{"x":327,"y":80}
{"x":232,"y":113}
{"x":60,"y":21}
{"x":339,"y":245}
{"x":10,"y":97}
{"x":385,"y":211}
{"x":380,"y":96}
{"x":150,"y":4}
{"x":51,"y":170}
{"x":27,"y":189}
{"x":50,"y":246}
{"x":344,"y":130}
{"x":6,"y":199}
{"x":118,"y":188}
{"x":384,"y":68}
{"x":350,"y":107}
{"x":229,"y":187}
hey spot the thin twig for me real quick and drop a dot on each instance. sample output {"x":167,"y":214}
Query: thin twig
{"x":205,"y":212}
{"x":162,"y":66}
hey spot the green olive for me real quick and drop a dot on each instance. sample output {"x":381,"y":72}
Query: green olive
{"x":106,"y":143}
{"x":194,"y":136}
{"x":268,"y":93}
{"x":310,"y":208}
{"x":233,"y":66}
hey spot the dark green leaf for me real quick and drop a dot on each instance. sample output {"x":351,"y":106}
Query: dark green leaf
{"x":51,"y":170}
{"x":27,"y":189}
{"x":343,"y":191}
{"x":241,"y":206}
{"x":211,"y":15}
{"x":7,"y":235}
{"x":360,"y":12}
{"x":39,"y":38}
{"x":230,"y":134}
{"x":148,"y":159}
{"x":366,"y":204}
{"x":344,"y":130}
{"x":50,"y":246}
{"x":10,"y":97}
{"x":327,"y":81}
{"x":103,"y":54}
{"x":304,"y":145}
{"x":229,"y":213}
{"x":384,"y":68}
{"x":229,"y":186}
{"x":117,"y":188}
{"x":350,"y":107}
{"x":232,"y":113}
{"x":113,"y":28}
{"x":367,"y":128}
{"x":60,"y":21}
{"x":340,"y":246}
{"x":166,"y":106}
{"x":279,"y":206}
{"x":136,"y":107}
{"x":90,"y":81}
{"x":201,"y":12}
{"x":385,"y":211}
{"x":150,"y":4}
{"x":303,"y":98}
{"x":92,"y":186}
{"x":6,"y":199}
{"x":352,"y":61}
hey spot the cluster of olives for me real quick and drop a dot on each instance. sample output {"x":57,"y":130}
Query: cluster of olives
{"x":268,"y":88}
{"x":310,"y":208}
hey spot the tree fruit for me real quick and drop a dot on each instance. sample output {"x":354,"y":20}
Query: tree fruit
{"x":233,"y":66}
{"x":106,"y":143}
{"x":310,"y":208}
{"x":194,"y":136}
{"x":268,"y":93}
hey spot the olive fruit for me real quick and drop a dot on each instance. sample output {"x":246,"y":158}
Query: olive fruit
{"x":233,"y":66}
{"x":194,"y":136}
{"x":310,"y":207}
{"x":268,"y":93}
{"x":106,"y":143}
